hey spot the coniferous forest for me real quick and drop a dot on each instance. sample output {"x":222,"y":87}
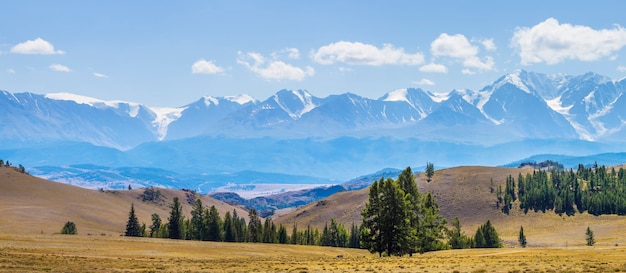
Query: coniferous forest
{"x":398,"y":220}
{"x":597,"y":190}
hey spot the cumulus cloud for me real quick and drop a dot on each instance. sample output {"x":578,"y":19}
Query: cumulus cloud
{"x":59,"y":68}
{"x":291,"y":53}
{"x":621,"y":68}
{"x":434,"y":68}
{"x":552,"y":42}
{"x":424,"y":82}
{"x":100,"y":75}
{"x":273,"y":69}
{"x":37,"y":46}
{"x":356,"y":53}
{"x":489,"y":45}
{"x":203,"y":66}
{"x":457,"y":46}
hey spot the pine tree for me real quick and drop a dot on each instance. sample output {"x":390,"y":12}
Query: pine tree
{"x":354,"y":236}
{"x":456,"y":238}
{"x":487,"y":237}
{"x":229,"y":228}
{"x":156,"y":225}
{"x":132,"y":226}
{"x":522,"y":238}
{"x":589,"y":237}
{"x":175,"y":221}
{"x":255,"y":228}
{"x":282,"y":234}
{"x":294,"y":234}
{"x":68,"y":228}
{"x":213,"y":223}
{"x":430,"y":171}
{"x":198,"y":228}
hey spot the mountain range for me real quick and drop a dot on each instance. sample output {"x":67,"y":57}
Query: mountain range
{"x":340,"y":136}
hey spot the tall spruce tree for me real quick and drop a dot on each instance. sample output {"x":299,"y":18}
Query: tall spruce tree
{"x":255,"y":228}
{"x":522,"y":238}
{"x":213,"y":223}
{"x":487,"y":236}
{"x":456,"y":238}
{"x":282,"y":234}
{"x":430,"y":171}
{"x":198,"y":228}
{"x":175,"y":221}
{"x":156,"y":225}
{"x":589,"y":237}
{"x":132,"y":225}
{"x":229,"y":228}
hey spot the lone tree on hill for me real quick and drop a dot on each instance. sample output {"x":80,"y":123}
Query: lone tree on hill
{"x":589,"y":237}
{"x":430,"y":171}
{"x":69,"y":228}
{"x":132,"y":226}
{"x":522,"y":238}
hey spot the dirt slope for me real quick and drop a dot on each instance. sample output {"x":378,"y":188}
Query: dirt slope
{"x":32,"y":205}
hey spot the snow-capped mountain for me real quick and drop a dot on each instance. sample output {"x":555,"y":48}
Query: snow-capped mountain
{"x":519,"y":105}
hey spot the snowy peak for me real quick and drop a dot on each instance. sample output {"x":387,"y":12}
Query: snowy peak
{"x":295,"y":102}
{"x":241,"y":99}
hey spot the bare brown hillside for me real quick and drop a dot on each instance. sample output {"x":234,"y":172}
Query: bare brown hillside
{"x":32,"y":205}
{"x":464,"y":192}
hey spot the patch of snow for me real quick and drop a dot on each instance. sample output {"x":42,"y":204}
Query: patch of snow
{"x":438,"y":97}
{"x":241,"y":99}
{"x":208,"y":100}
{"x":307,"y":100}
{"x":133,"y":108}
{"x":165,"y":116}
{"x":556,"y":105}
{"x":397,"y":95}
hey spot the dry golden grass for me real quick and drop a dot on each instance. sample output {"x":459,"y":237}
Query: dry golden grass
{"x":66,"y":253}
{"x":32,"y":205}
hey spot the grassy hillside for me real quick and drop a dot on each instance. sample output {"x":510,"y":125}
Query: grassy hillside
{"x":464,"y":192}
{"x":32,"y":205}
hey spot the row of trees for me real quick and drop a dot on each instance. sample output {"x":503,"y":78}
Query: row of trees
{"x":19,"y":168}
{"x":399,"y":220}
{"x":206,"y":224}
{"x":596,"y":190}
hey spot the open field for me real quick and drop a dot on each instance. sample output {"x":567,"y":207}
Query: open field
{"x":66,"y":253}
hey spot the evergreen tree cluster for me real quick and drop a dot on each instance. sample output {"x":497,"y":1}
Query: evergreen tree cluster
{"x":596,"y":190}
{"x":398,"y":219}
{"x":206,"y":224}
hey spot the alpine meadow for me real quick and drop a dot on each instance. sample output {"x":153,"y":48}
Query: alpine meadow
{"x":312,"y":136}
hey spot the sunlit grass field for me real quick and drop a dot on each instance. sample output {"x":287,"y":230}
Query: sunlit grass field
{"x":80,"y":253}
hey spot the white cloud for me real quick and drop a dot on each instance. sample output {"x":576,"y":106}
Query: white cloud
{"x":356,"y":53}
{"x":434,"y":68}
{"x":100,"y":75}
{"x":203,"y":66}
{"x":467,"y":71}
{"x":11,"y":71}
{"x":59,"y":68}
{"x":459,"y":47}
{"x":424,"y":82}
{"x":552,"y":42}
{"x":37,"y":46}
{"x":345,"y":69}
{"x":273,"y":69}
{"x":489,"y":45}
{"x":291,"y":53}
{"x":621,"y":68}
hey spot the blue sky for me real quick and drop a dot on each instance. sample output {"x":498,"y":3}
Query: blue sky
{"x":172,"y":53}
